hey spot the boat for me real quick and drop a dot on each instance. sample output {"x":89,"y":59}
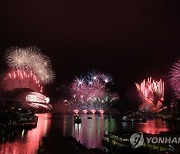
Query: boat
{"x":77,"y":119}
{"x":89,"y":117}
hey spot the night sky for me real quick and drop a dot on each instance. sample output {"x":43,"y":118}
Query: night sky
{"x":128,"y":39}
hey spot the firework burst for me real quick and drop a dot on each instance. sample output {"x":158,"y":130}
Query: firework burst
{"x":152,"y":94}
{"x":90,"y":93}
{"x":175,"y":78}
{"x":30,"y":58}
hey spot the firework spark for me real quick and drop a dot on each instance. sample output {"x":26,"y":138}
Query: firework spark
{"x":151,"y":91}
{"x":90,"y":93}
{"x":30,"y":58}
{"x":21,"y":79}
{"x":175,"y":78}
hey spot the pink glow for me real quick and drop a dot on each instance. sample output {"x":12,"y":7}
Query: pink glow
{"x":175,"y":78}
{"x":90,"y":92}
{"x":154,"y":127}
{"x":21,"y":79}
{"x":76,"y":111}
{"x":93,"y":111}
{"x":101,"y":111}
{"x":151,"y":93}
{"x":85,"y":111}
{"x":28,"y":141}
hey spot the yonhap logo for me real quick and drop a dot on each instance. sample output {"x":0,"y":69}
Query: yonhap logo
{"x":136,"y":140}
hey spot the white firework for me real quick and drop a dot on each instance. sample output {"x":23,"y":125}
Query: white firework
{"x":31,"y":58}
{"x":93,"y":75}
{"x":17,"y":58}
{"x":106,"y":78}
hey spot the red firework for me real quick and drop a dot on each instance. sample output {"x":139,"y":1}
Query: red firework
{"x":21,"y":79}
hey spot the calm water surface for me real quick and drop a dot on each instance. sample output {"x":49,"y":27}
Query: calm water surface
{"x":90,"y":132}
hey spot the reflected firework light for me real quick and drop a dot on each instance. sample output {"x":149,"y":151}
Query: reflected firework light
{"x":38,"y":100}
{"x":32,"y":59}
{"x":151,"y":92}
{"x":37,"y":97}
{"x":175,"y":78}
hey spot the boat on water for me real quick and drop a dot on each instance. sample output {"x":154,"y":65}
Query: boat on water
{"x":77,"y":119}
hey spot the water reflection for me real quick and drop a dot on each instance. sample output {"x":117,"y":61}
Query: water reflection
{"x":27,"y":141}
{"x":90,"y":132}
{"x":153,"y":126}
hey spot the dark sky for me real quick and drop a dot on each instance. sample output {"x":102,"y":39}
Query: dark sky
{"x":129,"y":39}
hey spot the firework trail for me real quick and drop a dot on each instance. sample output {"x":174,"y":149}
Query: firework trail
{"x":151,"y":92}
{"x":175,"y":78}
{"x":21,"y":79}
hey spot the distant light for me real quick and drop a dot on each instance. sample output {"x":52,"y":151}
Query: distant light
{"x":94,"y":77}
{"x":76,"y":111}
{"x":80,"y":82}
{"x":93,"y":111}
{"x":85,"y":111}
{"x":47,"y":99}
{"x":106,"y":80}
{"x":101,"y":111}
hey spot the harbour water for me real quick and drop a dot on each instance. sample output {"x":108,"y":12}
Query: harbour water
{"x":90,"y":132}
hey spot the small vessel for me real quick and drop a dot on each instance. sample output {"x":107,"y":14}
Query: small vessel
{"x":89,"y":117}
{"x":77,"y":119}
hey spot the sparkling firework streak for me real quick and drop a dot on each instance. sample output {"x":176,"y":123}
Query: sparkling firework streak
{"x":151,"y":91}
{"x":38,"y":100}
{"x":175,"y":78}
{"x":151,"y":88}
{"x":31,"y":58}
{"x":90,"y":93}
{"x":21,"y":79}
